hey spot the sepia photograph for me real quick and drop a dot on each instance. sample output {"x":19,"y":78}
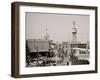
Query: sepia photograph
{"x":53,"y":39}
{"x":57,"y":39}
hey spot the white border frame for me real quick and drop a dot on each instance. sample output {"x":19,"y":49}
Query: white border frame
{"x":72,"y":68}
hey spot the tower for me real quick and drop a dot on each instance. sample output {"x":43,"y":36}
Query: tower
{"x":74,"y":33}
{"x":46,"y":37}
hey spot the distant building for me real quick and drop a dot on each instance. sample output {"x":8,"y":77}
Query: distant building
{"x":38,"y":45}
{"x":76,"y":45}
{"x":80,"y":45}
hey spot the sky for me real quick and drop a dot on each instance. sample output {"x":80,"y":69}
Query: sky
{"x":59,"y":26}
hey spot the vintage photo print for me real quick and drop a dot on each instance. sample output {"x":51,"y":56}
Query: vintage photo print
{"x":55,"y":39}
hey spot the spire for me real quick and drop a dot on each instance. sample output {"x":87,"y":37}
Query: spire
{"x":46,"y":35}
